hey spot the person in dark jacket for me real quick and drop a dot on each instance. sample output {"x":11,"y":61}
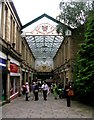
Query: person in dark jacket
{"x":32,"y":89}
{"x":67,"y":87}
{"x":23,"y":89}
{"x":36,"y":90}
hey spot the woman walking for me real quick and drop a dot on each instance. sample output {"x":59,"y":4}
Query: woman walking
{"x":69,"y":94}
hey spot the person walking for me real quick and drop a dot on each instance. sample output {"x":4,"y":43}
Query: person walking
{"x":68,"y":88}
{"x":36,"y":90}
{"x":27,"y":91}
{"x":23,"y":89}
{"x":55,"y":91}
{"x":45,"y":89}
{"x":32,"y":89}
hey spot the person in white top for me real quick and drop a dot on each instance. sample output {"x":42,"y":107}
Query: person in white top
{"x":27,"y":91}
{"x":45,"y":89}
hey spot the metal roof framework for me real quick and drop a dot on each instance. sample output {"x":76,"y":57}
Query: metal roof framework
{"x":44,"y":46}
{"x":44,"y":41}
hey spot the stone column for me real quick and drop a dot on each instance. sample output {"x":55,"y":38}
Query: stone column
{"x":25,"y":76}
{"x":3,"y":21}
{"x":7,"y":29}
{"x":69,"y":48}
{"x":64,"y":78}
{"x":8,"y":81}
{"x":64,"y":53}
{"x":32,"y":76}
{"x":0,"y":19}
{"x":20,"y":82}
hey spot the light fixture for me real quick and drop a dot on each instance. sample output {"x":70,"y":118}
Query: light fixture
{"x":44,"y":59}
{"x":13,"y":45}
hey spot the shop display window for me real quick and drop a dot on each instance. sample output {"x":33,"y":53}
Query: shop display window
{"x":13,"y":85}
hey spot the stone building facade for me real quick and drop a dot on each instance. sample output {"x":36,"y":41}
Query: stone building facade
{"x":65,"y":56}
{"x":17,"y":63}
{"x":16,"y":59}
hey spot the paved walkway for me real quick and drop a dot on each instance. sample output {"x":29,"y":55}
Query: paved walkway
{"x":19,"y":108}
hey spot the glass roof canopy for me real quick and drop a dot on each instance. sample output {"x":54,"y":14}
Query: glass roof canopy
{"x":42,"y":37}
{"x":44,"y":46}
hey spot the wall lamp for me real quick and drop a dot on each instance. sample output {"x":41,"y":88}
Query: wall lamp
{"x":13,"y":45}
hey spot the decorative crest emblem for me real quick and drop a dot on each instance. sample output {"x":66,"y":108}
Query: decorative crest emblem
{"x":44,"y":28}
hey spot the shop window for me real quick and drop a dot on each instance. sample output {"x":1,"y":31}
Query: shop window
{"x":15,"y":85}
{"x":11,"y":86}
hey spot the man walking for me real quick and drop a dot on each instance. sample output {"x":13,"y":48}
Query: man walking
{"x":45,"y":89}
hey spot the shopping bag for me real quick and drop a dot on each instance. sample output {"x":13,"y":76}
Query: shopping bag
{"x":71,"y":93}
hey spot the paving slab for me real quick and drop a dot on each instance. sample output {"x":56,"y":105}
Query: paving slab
{"x":19,"y":108}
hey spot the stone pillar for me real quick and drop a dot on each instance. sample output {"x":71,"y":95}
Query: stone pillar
{"x":28,"y":76}
{"x":7,"y":31}
{"x":11,"y":30}
{"x":0,"y":19}
{"x":64,"y":53}
{"x":69,"y":48}
{"x":20,"y":82}
{"x":15,"y":34}
{"x":8,"y":81}
{"x":64,"y":78}
{"x":3,"y":21}
{"x":32,"y":76}
{"x":25,"y":77}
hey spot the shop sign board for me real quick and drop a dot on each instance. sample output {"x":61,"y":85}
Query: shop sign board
{"x":14,"y":68}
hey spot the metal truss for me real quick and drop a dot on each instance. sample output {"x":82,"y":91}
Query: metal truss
{"x":44,"y":46}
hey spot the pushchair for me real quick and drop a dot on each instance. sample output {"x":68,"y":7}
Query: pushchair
{"x":61,"y":93}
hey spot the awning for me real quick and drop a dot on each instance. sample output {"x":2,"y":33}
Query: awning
{"x":14,"y":74}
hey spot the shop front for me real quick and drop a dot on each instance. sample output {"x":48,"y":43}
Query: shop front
{"x":23,"y":77}
{"x":14,"y":80}
{"x":3,"y":72}
{"x":4,"y":79}
{"x":3,"y":76}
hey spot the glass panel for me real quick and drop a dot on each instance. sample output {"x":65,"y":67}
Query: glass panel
{"x":44,"y":45}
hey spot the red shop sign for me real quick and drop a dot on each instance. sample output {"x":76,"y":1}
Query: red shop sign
{"x":13,"y":68}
